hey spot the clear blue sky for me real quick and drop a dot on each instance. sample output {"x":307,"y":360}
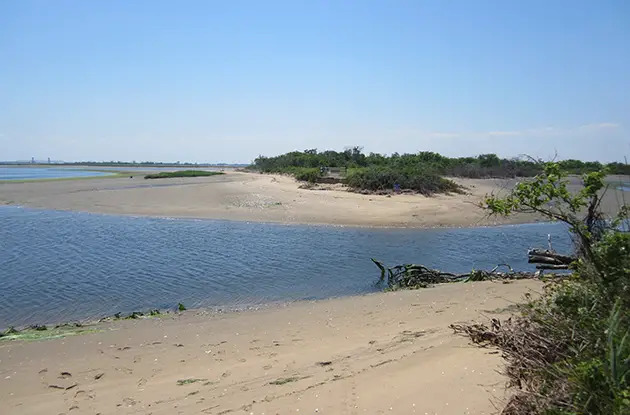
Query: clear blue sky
{"x":226,"y":81}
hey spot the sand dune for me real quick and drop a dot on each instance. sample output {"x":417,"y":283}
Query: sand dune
{"x":379,"y":353}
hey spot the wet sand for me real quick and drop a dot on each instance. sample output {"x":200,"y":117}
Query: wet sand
{"x":256,"y":197}
{"x":373,"y":354}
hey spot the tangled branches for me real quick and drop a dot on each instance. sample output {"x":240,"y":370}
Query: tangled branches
{"x":529,"y":351}
{"x":419,"y":276}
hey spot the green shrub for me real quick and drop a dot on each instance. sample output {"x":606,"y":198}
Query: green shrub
{"x":569,"y":351}
{"x":386,"y":178}
{"x":310,"y":175}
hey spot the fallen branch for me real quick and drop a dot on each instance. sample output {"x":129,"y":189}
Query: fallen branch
{"x":549,"y":257}
{"x":551,"y":267}
{"x":419,"y":276}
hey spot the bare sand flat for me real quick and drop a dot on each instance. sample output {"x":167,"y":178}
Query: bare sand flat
{"x":256,"y":197}
{"x":266,"y":198}
{"x":380,"y":353}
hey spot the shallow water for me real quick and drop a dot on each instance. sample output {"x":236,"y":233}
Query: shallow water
{"x":62,"y":266}
{"x":32,"y":173}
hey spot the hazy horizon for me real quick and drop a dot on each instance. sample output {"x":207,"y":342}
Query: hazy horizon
{"x":225,"y":82}
{"x":37,"y":160}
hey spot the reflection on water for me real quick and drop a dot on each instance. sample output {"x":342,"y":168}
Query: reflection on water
{"x":32,"y":173}
{"x":61,"y":266}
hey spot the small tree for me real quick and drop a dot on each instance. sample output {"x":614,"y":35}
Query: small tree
{"x":568,"y":352}
{"x":548,"y":195}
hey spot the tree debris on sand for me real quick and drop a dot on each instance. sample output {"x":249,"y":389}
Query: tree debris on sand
{"x":419,"y":276}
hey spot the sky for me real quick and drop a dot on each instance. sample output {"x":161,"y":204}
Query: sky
{"x":226,"y":81}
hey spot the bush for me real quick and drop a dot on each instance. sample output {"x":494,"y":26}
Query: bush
{"x":310,"y":175}
{"x":385,"y":178}
{"x":569,"y":351}
{"x":481,"y":166}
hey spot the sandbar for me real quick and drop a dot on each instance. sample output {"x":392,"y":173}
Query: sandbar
{"x":265,"y":198}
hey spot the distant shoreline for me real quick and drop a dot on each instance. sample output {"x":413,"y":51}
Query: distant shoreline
{"x":121,"y":165}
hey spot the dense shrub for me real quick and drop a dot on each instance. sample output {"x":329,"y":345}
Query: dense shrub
{"x":482,"y":166}
{"x":618,"y":168}
{"x":419,"y":171}
{"x":310,"y":175}
{"x":568,"y":352}
{"x":386,"y":178}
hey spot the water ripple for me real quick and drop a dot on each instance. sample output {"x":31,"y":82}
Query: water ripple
{"x":59,"y":266}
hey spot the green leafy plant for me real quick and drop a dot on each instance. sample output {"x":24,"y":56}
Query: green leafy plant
{"x":568,"y":352}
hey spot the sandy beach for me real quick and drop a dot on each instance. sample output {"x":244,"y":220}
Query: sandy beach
{"x":379,"y":353}
{"x":266,"y":198}
{"x":255,"y":197}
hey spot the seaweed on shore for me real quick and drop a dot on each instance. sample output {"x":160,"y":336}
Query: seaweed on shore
{"x":43,"y":332}
{"x":40,"y":332}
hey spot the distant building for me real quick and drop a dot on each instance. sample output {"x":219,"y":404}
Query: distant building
{"x":32,"y":160}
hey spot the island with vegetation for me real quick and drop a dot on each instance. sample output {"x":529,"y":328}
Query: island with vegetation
{"x":424,"y":172}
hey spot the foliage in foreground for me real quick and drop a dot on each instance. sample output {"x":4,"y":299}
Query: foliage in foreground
{"x":182,"y":173}
{"x":568,"y":352}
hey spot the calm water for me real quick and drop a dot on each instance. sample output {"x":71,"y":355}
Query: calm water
{"x":62,"y":266}
{"x":30,"y":173}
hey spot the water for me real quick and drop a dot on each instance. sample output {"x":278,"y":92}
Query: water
{"x":158,"y":169}
{"x":31,"y":173}
{"x":62,"y":266}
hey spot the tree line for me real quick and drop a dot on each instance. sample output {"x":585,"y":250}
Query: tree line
{"x":423,"y":172}
{"x":481,"y":166}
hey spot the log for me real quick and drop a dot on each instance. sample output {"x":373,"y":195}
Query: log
{"x":552,"y":267}
{"x":562,"y":259}
{"x":537,"y":259}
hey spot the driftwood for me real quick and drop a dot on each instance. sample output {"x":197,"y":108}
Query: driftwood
{"x":549,"y":259}
{"x":417,"y":276}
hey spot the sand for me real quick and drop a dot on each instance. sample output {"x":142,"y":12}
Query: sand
{"x":254,"y":197}
{"x":266,"y":198}
{"x":378,"y":353}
